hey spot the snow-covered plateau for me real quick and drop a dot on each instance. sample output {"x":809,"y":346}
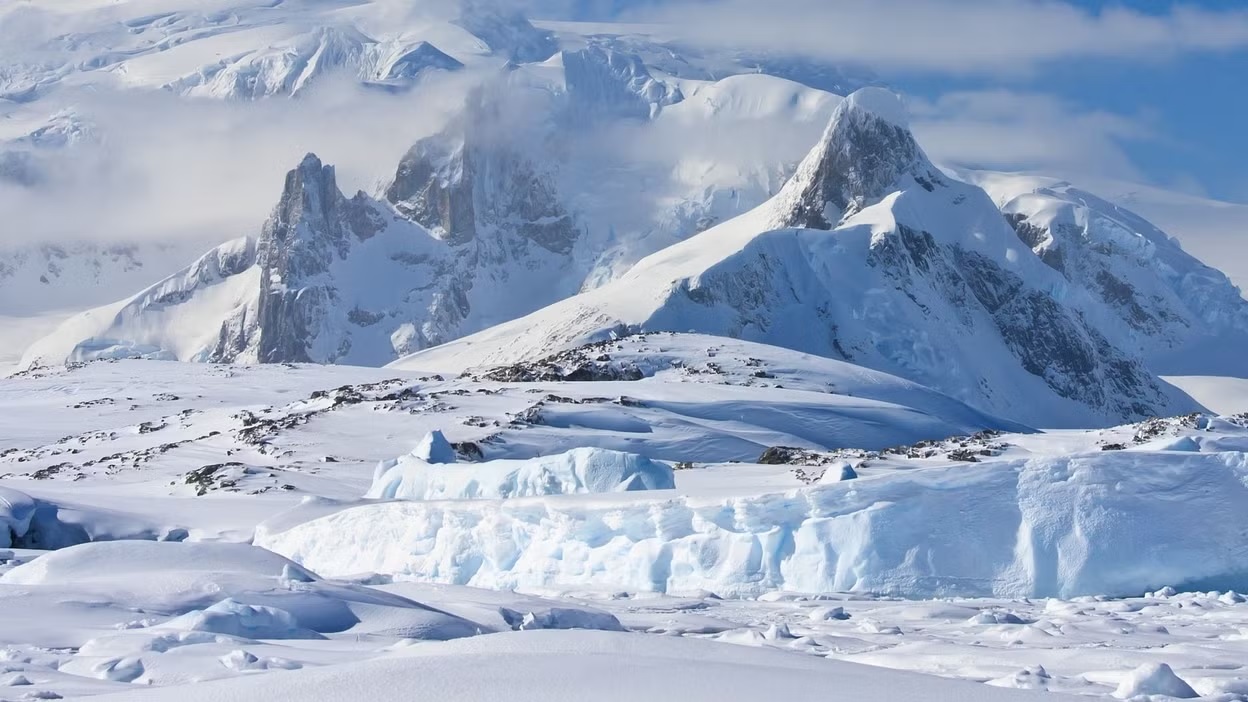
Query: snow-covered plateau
{"x":385,"y":350}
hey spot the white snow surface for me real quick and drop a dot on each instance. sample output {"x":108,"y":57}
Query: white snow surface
{"x":541,"y":666}
{"x":749,"y":574}
{"x":579,"y":471}
{"x":880,"y":527}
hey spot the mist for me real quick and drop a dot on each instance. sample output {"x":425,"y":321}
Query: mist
{"x":156,"y":166}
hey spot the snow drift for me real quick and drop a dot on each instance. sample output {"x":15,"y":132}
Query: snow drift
{"x":582,"y":470}
{"x":1115,"y":523}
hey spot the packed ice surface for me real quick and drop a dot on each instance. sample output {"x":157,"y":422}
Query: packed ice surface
{"x":583,"y":470}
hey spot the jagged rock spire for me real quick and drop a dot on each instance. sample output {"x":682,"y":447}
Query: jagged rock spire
{"x":312,"y":226}
{"x":866,"y":152}
{"x":467,"y":181}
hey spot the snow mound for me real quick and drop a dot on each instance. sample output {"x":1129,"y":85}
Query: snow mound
{"x":234,"y":618}
{"x":1153,"y":679}
{"x":882,"y":103}
{"x":583,"y":470}
{"x":143,"y":560}
{"x":1109,"y":523}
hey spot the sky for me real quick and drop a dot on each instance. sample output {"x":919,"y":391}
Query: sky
{"x":1184,"y":113}
{"x":1141,"y":90}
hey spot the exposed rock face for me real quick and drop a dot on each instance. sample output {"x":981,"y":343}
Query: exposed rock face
{"x":312,"y":226}
{"x":414,"y":61}
{"x":866,"y":156}
{"x":464,"y":185}
{"x":861,"y":158}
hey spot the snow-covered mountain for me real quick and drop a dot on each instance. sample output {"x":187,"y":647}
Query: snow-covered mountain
{"x":42,"y":285}
{"x":1185,"y":316}
{"x":872,"y":254}
{"x":585,"y":152}
{"x":869,"y":253}
{"x":489,"y":219}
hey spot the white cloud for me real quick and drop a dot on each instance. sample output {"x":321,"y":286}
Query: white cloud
{"x":954,"y":36}
{"x":1007,"y":130}
{"x":165,"y":167}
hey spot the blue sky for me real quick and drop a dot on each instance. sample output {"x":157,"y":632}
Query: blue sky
{"x":1147,"y":91}
{"x":1195,"y":105}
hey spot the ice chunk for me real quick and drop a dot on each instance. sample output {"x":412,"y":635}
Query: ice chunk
{"x":434,"y":448}
{"x":1153,"y":679}
{"x":828,"y":614}
{"x":583,"y":470}
{"x":838,"y":472}
{"x":16,"y":511}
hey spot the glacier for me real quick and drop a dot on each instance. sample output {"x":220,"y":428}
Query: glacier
{"x":1110,"y":523}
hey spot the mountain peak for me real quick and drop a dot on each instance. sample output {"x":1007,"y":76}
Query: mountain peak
{"x":311,"y":164}
{"x":866,"y":152}
{"x":881,"y":102}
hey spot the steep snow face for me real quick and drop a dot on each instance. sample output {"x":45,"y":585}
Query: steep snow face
{"x":1163,"y":302}
{"x":43,"y":285}
{"x":179,"y":317}
{"x":601,"y":81}
{"x":1108,"y":523}
{"x":871,"y":254}
{"x":579,"y":471}
{"x":290,"y":68}
{"x":253,"y":49}
{"x":509,"y":34}
{"x":706,"y":63}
